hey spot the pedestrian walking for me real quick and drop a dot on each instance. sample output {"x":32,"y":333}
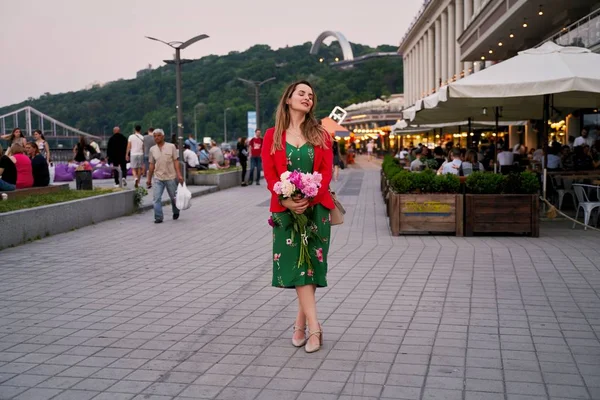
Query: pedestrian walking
{"x":135,"y":154}
{"x":256,"y":144}
{"x":80,"y":149}
{"x":370,"y":147}
{"x":116,"y":151}
{"x":242,"y":149}
{"x":164,"y":165}
{"x":335,"y":146}
{"x":148,"y":143}
{"x":297,"y":142}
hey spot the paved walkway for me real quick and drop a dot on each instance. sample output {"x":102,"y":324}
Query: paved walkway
{"x":147,"y":201}
{"x":127,"y":309}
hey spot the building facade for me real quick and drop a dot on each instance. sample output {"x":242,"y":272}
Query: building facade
{"x":450,"y":39}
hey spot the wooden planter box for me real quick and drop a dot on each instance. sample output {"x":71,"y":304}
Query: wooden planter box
{"x":425,"y":213}
{"x":502,"y":213}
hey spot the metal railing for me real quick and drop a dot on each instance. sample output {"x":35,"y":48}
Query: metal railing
{"x":583,"y":33}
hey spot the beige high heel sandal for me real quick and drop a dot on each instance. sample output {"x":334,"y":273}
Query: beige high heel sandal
{"x":309,"y":349}
{"x":300,"y":342}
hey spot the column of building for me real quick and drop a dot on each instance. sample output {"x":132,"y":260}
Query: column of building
{"x":438,"y":53}
{"x":468,"y":13}
{"x":459,"y":30}
{"x":430,"y":60}
{"x":451,"y":43}
{"x":444,"y":47}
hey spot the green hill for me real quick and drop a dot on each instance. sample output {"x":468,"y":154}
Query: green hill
{"x":150,"y":99}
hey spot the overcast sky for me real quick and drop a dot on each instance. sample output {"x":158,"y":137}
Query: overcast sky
{"x":63,"y":45}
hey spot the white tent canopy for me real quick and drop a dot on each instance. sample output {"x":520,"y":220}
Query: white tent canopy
{"x":518,"y":85}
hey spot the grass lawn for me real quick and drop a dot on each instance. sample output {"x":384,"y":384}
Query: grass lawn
{"x":218,"y":171}
{"x":49,"y":198}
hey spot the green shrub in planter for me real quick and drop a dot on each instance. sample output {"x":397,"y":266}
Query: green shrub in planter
{"x":528,"y":183}
{"x":423,"y":181}
{"x":447,"y":183}
{"x":485,"y":183}
{"x":401,"y":182}
{"x":488,"y":183}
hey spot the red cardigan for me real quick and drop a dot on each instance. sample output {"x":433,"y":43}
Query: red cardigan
{"x":276,"y":164}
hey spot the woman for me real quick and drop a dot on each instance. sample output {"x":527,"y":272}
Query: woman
{"x":297,"y":142}
{"x":336,"y":158}
{"x":79,"y":150}
{"x":23,"y":165}
{"x":42,"y":145}
{"x":8,"y":172}
{"x":471,"y":164}
{"x":203,"y":157}
{"x":15,"y":137}
{"x":242,"y":149}
{"x":39,"y":166}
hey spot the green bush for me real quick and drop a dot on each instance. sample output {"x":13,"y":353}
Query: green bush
{"x":447,"y":183}
{"x":401,"y":182}
{"x":488,"y":183}
{"x":485,"y":183}
{"x":390,"y":167}
{"x":423,"y":181}
{"x":530,"y":184}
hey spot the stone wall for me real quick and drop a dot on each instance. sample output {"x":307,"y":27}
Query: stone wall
{"x":223,"y":180}
{"x":21,"y":226}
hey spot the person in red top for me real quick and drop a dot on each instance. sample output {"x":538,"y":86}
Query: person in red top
{"x":256,"y":144}
{"x":298,"y":142}
{"x":23,"y":165}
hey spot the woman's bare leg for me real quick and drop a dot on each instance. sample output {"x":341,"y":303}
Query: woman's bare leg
{"x":306,"y":298}
{"x":300,"y":322}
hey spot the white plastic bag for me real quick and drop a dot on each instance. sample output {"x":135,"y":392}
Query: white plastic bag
{"x":183,"y":198}
{"x":52,"y":171}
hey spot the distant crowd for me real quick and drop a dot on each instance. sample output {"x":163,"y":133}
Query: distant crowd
{"x":24,"y":164}
{"x":581,"y":154}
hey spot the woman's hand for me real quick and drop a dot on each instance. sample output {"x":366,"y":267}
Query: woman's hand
{"x":296,"y":205}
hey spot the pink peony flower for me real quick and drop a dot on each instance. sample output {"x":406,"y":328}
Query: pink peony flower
{"x":277,"y":188}
{"x":319,"y":253}
{"x":318,"y":178}
{"x":296,"y":179}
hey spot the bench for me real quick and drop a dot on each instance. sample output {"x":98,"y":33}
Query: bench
{"x":20,"y":193}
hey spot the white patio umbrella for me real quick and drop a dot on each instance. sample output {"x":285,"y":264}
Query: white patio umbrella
{"x":566,"y":78}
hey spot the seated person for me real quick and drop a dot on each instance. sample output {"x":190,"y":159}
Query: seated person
{"x":553,"y":160}
{"x":453,"y":167}
{"x":471,"y":164}
{"x":39,"y":166}
{"x":8,"y":172}
{"x":189,"y":157}
{"x":203,"y":157}
{"x":417,"y":164}
{"x":23,"y":164}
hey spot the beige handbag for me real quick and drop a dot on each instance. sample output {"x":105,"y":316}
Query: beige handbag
{"x":337,"y":214}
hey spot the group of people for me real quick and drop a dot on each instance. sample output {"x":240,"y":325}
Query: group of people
{"x":252,"y":149}
{"x":24,"y":164}
{"x":581,"y":154}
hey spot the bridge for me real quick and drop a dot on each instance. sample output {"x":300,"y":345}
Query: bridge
{"x":35,"y":119}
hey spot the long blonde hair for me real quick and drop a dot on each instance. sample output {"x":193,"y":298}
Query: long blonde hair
{"x":312,"y":131}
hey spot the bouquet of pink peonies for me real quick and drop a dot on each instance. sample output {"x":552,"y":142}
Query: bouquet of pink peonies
{"x":297,"y":184}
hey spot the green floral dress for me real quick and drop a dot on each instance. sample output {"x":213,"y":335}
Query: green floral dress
{"x":286,"y":249}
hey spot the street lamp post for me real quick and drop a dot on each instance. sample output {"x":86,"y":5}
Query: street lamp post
{"x":256,"y":85}
{"x":195,"y":120}
{"x":225,"y":124}
{"x":178,"y":46}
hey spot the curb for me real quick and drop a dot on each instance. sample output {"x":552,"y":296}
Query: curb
{"x":212,"y":189}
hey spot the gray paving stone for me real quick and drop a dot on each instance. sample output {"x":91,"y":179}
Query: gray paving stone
{"x":409,"y":317}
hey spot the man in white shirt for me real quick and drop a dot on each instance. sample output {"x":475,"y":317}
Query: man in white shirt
{"x":453,"y":167}
{"x":189,"y":157}
{"x":135,"y":153}
{"x":583,"y":139}
{"x":504,"y":157}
